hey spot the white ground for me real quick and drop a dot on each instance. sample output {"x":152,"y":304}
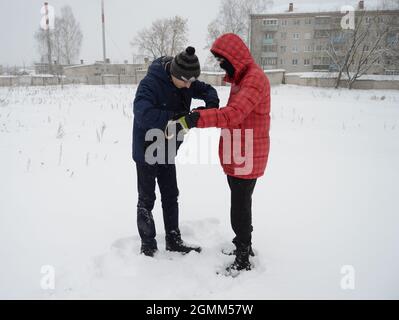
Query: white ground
{"x":68,"y":196}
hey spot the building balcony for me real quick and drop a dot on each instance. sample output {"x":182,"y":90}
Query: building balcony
{"x":270,"y":28}
{"x":269,"y":54}
{"x":327,"y":26}
{"x":268,"y":41}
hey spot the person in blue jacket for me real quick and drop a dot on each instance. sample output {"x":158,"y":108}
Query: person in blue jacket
{"x":164,"y":94}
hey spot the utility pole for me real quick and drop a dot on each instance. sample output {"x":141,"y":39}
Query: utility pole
{"x":103,"y":25}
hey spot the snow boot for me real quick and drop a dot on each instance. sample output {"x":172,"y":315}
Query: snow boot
{"x":148,"y":248}
{"x":241,"y":261}
{"x":228,"y":252}
{"x":176,"y":244}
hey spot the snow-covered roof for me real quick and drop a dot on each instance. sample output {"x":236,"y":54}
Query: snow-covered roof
{"x":309,"y":6}
{"x":215,"y":73}
{"x":274,"y":70}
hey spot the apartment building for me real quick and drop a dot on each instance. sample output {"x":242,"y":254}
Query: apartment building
{"x":298,"y":41}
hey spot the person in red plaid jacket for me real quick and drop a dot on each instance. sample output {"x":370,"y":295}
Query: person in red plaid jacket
{"x":244,"y":142}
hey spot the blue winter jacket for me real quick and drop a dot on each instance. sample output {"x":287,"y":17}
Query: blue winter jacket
{"x":159,"y":100}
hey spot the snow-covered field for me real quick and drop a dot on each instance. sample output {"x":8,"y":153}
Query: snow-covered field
{"x":329,"y":199}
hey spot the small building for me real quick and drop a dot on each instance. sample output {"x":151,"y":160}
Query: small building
{"x":43,"y":68}
{"x":101,"y":69}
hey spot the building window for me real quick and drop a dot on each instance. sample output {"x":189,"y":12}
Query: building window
{"x":321,"y":34}
{"x":392,"y":72}
{"x":306,"y":62}
{"x":294,"y":49}
{"x":297,"y":22}
{"x":319,"y":48}
{"x":268,"y":35}
{"x":283,"y":48}
{"x":269,"y":48}
{"x":284,"y":22}
{"x":308,"y":21}
{"x":295,"y":62}
{"x":268,"y":61}
{"x":295,"y":36}
{"x":270,"y":22}
{"x":322,"y":20}
{"x":308,"y":48}
{"x":281,"y":61}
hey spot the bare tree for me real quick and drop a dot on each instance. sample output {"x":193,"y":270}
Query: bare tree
{"x":68,"y":35}
{"x":355,"y":52}
{"x":234,"y":17}
{"x":164,"y":37}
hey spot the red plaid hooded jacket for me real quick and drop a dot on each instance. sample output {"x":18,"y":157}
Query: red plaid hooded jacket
{"x":245,"y":120}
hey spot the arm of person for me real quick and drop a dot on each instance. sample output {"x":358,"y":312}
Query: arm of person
{"x":146,"y":113}
{"x":205,"y":92}
{"x":237,"y":110}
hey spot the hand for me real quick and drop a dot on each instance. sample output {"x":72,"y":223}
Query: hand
{"x":190,"y":120}
{"x":178,"y":115}
{"x":199,"y":108}
{"x":204,"y":108}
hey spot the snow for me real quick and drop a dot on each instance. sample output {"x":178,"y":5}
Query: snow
{"x":328,"y":199}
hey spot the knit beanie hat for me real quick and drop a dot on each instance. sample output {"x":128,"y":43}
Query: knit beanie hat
{"x":185,"y":66}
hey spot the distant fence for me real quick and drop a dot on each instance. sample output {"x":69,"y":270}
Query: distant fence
{"x":213,"y":78}
{"x":326,"y":82}
{"x":275,"y":77}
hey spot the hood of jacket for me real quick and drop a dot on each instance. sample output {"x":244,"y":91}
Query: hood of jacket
{"x":233,"y":49}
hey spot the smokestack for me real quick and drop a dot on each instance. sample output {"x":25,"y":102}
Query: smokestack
{"x":103,"y":24}
{"x":291,"y":7}
{"x":50,"y":67}
{"x":361,"y":5}
{"x":81,"y":61}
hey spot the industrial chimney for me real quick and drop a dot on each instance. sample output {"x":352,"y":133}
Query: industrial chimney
{"x":103,"y":24}
{"x":291,"y":7}
{"x":361,"y":5}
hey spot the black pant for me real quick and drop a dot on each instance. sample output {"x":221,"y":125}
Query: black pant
{"x":147,"y":175}
{"x":241,"y":209}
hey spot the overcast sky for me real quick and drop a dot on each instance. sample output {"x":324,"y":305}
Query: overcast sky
{"x":19,"y":19}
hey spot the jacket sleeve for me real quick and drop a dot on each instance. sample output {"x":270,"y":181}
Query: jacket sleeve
{"x":238,"y":108}
{"x":147,"y":114}
{"x":206,"y":92}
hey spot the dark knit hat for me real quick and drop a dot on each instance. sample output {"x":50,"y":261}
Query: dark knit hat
{"x":185,"y":66}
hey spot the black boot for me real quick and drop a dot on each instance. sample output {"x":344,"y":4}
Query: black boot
{"x":149,"y":248}
{"x":233,"y":252}
{"x":175,"y":243}
{"x":241,"y":261}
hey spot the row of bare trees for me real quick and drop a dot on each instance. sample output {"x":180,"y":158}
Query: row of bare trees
{"x":170,"y":36}
{"x":64,"y":41}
